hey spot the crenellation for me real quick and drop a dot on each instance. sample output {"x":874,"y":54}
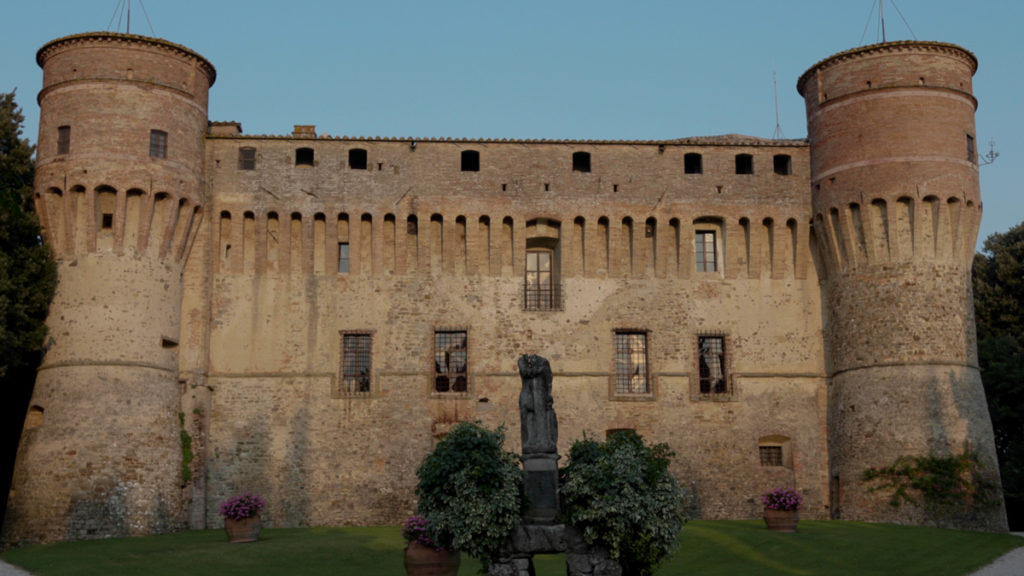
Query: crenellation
{"x":204,"y":269}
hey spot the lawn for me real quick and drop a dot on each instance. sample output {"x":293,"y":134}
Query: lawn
{"x":706,"y":548}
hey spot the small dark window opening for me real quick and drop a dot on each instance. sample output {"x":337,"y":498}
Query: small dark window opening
{"x":157,"y":144}
{"x":972,"y":154}
{"x":783,"y":164}
{"x":63,"y":139}
{"x":246,"y":158}
{"x":693,"y":163}
{"x":581,"y":161}
{"x":303,"y":156}
{"x":470,"y":161}
{"x":357,"y":159}
{"x":770,"y":455}
{"x":108,"y":221}
{"x":744,"y":164}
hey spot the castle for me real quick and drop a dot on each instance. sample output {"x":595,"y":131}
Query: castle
{"x":305,"y":315}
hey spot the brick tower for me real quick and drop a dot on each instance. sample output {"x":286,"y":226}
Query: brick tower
{"x":896,"y":207}
{"x":119,"y":190}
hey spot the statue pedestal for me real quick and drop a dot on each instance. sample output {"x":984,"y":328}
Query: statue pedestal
{"x":541,"y":480}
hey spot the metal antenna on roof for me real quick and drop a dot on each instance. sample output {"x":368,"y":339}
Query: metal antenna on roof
{"x":881,"y":20}
{"x":123,"y":12}
{"x":778,"y":125}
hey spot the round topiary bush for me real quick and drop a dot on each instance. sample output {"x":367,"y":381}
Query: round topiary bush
{"x":471,"y":491}
{"x":621,"y":496}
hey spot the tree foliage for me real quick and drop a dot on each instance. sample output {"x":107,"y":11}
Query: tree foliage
{"x":27,"y":271}
{"x":471,"y":491}
{"x":999,"y":308}
{"x":621,"y":495}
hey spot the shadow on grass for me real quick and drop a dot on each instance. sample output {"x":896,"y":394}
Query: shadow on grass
{"x":706,"y":548}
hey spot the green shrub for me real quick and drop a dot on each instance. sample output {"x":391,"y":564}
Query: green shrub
{"x":471,"y":491}
{"x":622,"y":497}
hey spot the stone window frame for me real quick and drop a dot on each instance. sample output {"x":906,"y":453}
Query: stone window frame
{"x":700,"y":241}
{"x":63,"y":139}
{"x":775,"y":451}
{"x":246,"y":158}
{"x":614,"y":390}
{"x":157,"y":144}
{"x":435,"y":374}
{"x":729,"y":393}
{"x":340,"y":390}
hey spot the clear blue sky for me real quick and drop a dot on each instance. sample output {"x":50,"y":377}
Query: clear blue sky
{"x":589,"y":69}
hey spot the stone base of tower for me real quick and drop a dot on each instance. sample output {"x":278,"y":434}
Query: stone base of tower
{"x":879,"y":414}
{"x":100,"y":457}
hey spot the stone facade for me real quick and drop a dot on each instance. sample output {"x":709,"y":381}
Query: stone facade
{"x":304,"y":315}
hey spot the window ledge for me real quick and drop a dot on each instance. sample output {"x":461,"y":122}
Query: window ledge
{"x":649,"y":397}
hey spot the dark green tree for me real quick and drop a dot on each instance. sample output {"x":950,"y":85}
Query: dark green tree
{"x":28,"y":277}
{"x":999,"y":307}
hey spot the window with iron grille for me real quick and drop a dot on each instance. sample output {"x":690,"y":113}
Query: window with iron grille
{"x":63,"y":139}
{"x":540,"y":286}
{"x":712,"y":368}
{"x":157,"y":144}
{"x":451,"y":372}
{"x":356,"y":363}
{"x":770,"y":455}
{"x":246,"y":158}
{"x":706,"y":250}
{"x":631,"y":375}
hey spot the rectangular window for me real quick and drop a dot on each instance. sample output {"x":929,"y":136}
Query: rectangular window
{"x":631,"y":376}
{"x":771,"y":455}
{"x":342,"y":257}
{"x":972,"y":152}
{"x":539,"y":287}
{"x":706,"y":251}
{"x":355,"y":363}
{"x":157,"y":144}
{"x":450,"y":361}
{"x":246,"y":158}
{"x":63,"y":139}
{"x":711,"y":365}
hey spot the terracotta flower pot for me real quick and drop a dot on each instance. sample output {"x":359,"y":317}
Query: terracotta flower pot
{"x":244,"y":530}
{"x":421,"y":560}
{"x":781,"y":520}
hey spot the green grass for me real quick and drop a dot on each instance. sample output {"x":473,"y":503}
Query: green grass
{"x":706,"y":548}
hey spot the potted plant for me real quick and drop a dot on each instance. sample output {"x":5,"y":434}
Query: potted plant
{"x":242,"y":517}
{"x":423,"y":556}
{"x":781,"y":507}
{"x":621,"y":497}
{"x":471,"y":492}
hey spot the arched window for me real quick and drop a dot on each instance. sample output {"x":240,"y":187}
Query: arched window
{"x":470,"y":161}
{"x":357,"y":159}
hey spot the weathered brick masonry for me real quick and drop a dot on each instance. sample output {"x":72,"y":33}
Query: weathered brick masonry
{"x":212,"y":281}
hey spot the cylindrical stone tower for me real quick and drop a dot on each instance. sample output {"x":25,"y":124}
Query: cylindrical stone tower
{"x":119,"y":190}
{"x":896,"y":207}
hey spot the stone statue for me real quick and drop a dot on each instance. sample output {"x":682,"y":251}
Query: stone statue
{"x":537,"y":420}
